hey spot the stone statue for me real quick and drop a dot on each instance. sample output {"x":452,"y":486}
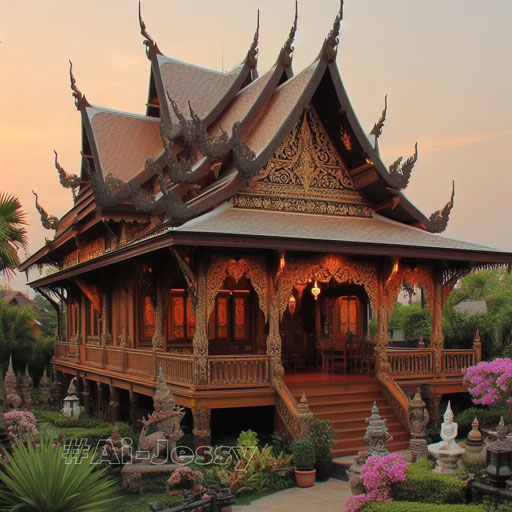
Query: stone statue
{"x":116,"y":451}
{"x":27,"y":389}
{"x":167,"y":416}
{"x":449,"y":431}
{"x":447,"y":452}
{"x":72,"y":408}
{"x":418,"y":418}
{"x":377,"y":433}
{"x":45,"y":387}
{"x":12,"y":398}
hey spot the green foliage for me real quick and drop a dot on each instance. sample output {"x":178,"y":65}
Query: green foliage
{"x":46,"y":315}
{"x":404,"y":506}
{"x":42,"y":352}
{"x":486,"y":417}
{"x":322,"y":437}
{"x":13,"y":236}
{"x":281,"y":442}
{"x":303,"y":452}
{"x":16,"y":336}
{"x":460,"y":327}
{"x":428,"y":487}
{"x":412,"y":319}
{"x":48,"y":480}
{"x":94,"y":435}
{"x":248,"y":438}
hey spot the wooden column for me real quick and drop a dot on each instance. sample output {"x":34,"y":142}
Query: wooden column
{"x":200,"y":341}
{"x":113,"y":404}
{"x":106,"y":323}
{"x":435,"y":417}
{"x":158,"y":336}
{"x":274,"y":336}
{"x":436,"y":335}
{"x":202,"y":427}
{"x":382,"y":334}
{"x":134,"y":408}
{"x":87,"y":396}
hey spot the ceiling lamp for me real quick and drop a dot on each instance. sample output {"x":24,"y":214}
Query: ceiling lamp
{"x":315,"y":290}
{"x":292,"y":304}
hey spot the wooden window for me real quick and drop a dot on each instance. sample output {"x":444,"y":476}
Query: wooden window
{"x":231,"y":320}
{"x":148,"y":319}
{"x":74,"y":318}
{"x":181,"y":320}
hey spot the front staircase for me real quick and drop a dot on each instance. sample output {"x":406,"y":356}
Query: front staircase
{"x":347,"y":402}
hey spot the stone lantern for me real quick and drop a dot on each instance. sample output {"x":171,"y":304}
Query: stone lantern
{"x":499,"y":458}
{"x":71,"y":407}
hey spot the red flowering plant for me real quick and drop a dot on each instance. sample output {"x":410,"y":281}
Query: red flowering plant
{"x":183,"y":478}
{"x":20,"y":424}
{"x":490,"y":382}
{"x":378,"y":474}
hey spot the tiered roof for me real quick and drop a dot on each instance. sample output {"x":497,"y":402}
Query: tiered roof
{"x":212,"y":141}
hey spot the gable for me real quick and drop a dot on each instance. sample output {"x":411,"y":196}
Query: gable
{"x":306,"y":174}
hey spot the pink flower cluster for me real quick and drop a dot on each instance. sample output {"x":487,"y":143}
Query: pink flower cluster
{"x":185,"y":477}
{"x":377,"y":475}
{"x":20,"y":423}
{"x":490,"y":383}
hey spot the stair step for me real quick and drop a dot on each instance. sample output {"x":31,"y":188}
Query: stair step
{"x":392,"y":447}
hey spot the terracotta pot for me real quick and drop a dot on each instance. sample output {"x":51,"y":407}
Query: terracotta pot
{"x":305,"y":478}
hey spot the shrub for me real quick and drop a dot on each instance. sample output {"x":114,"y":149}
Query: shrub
{"x":247,"y":438}
{"x":322,"y":437}
{"x":184,"y":477}
{"x":20,"y":424}
{"x":51,"y":480}
{"x":303,"y":452}
{"x":490,"y":383}
{"x":378,"y":474}
{"x":486,"y":417}
{"x":404,"y":506}
{"x":281,"y":442}
{"x":94,"y":435}
{"x":46,"y":414}
{"x":423,"y":485}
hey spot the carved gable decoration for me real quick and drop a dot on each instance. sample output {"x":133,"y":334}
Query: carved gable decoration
{"x":305,"y":175}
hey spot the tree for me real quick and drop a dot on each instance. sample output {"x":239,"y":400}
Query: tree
{"x":13,"y":236}
{"x":46,"y":314}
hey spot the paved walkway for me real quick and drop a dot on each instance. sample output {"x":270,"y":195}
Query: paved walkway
{"x":327,"y":496}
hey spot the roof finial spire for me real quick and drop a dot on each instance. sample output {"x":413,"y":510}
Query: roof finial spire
{"x":71,"y":181}
{"x":287,"y":49}
{"x":379,"y":125}
{"x":438,"y":221}
{"x":77,"y":93}
{"x":332,"y":40}
{"x":252,"y":54}
{"x":401,"y":172}
{"x":148,"y":40}
{"x":48,"y":221}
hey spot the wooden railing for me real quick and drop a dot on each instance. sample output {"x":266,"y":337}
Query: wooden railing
{"x":115,"y":357}
{"x":239,"y":370}
{"x":411,"y":362}
{"x":287,"y":407}
{"x":94,"y":354}
{"x":140,"y":361}
{"x":454,"y":362}
{"x":61,"y":349}
{"x":177,"y":368}
{"x":420,"y":362}
{"x":396,"y":398}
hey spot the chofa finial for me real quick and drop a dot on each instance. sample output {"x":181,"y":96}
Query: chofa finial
{"x":48,"y":221}
{"x":287,"y":49}
{"x":401,"y":172}
{"x":332,"y":40}
{"x":77,"y":93}
{"x":252,"y":54}
{"x":148,"y":40}
{"x":71,"y":181}
{"x":379,"y":125}
{"x":438,"y":221}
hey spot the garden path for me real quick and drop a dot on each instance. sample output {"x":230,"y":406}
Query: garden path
{"x":327,"y":496}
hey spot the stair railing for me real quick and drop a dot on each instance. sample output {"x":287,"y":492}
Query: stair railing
{"x":396,"y":398}
{"x":296,"y":416}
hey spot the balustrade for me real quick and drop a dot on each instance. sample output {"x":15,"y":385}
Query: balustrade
{"x":61,"y":349}
{"x":139,"y":361}
{"x":454,"y":362}
{"x":114,"y":357}
{"x":94,"y":354}
{"x":243,"y":370}
{"x":177,"y":368}
{"x":410,"y":362}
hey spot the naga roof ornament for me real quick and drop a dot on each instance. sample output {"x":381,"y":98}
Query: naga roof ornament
{"x":438,"y":221}
{"x":149,"y":42}
{"x":48,"y":221}
{"x":287,"y":49}
{"x":252,"y":54}
{"x":332,"y":40}
{"x":379,"y":125}
{"x":401,"y":172}
{"x":80,"y":100}
{"x":71,"y":181}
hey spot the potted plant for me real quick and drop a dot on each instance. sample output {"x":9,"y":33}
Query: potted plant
{"x":304,"y":461}
{"x":322,"y":437}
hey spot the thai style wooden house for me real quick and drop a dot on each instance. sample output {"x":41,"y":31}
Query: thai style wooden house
{"x":248,"y":264}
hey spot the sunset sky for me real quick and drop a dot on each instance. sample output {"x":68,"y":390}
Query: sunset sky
{"x":446,"y":65}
